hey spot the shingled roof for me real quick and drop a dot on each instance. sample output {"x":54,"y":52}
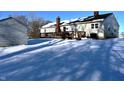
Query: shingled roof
{"x":82,"y":19}
{"x":102,"y":16}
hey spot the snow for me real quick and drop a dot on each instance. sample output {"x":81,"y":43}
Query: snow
{"x":49,"y":25}
{"x":64,"y":22}
{"x":8,"y":50}
{"x":57,"y":59}
{"x":75,"y":19}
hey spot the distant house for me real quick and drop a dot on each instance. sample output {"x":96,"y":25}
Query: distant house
{"x":121,"y":35}
{"x":12,"y":32}
{"x":96,"y":26}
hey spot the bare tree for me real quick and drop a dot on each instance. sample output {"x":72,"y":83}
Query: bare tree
{"x":21,"y":18}
{"x":33,"y":22}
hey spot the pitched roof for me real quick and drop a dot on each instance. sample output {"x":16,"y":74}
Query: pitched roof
{"x":82,"y":19}
{"x":102,"y":16}
{"x":15,"y":20}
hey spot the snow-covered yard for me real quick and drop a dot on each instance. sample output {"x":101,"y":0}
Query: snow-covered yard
{"x":56,"y":59}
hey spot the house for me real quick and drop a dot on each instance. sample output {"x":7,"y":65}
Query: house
{"x":12,"y":32}
{"x":95,"y":26}
{"x":121,"y":35}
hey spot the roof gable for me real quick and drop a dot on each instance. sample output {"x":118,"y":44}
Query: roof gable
{"x":14,"y":19}
{"x":102,"y":16}
{"x":82,"y":19}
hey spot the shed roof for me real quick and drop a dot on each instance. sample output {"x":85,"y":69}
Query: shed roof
{"x":15,"y":20}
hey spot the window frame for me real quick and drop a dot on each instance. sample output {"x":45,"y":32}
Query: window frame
{"x":97,"y":25}
{"x":92,"y":26}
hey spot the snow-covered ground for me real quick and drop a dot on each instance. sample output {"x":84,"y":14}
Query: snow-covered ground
{"x":56,"y":59}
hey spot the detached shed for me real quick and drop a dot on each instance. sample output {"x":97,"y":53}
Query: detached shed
{"x":12,"y":32}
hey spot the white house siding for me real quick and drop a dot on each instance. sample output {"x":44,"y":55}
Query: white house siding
{"x":53,"y":29}
{"x":111,"y":27}
{"x":79,"y":27}
{"x":101,"y":33}
{"x":12,"y":33}
{"x":86,"y":27}
{"x":42,"y":30}
{"x":48,"y":30}
{"x":68,"y":27}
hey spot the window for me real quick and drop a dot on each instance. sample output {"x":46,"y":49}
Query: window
{"x":92,"y":26}
{"x":66,"y":28}
{"x":96,"y":25}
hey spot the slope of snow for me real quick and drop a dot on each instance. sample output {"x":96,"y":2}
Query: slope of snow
{"x":56,"y":59}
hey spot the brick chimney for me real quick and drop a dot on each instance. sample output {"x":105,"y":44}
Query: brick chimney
{"x":96,"y":13}
{"x":58,"y":25}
